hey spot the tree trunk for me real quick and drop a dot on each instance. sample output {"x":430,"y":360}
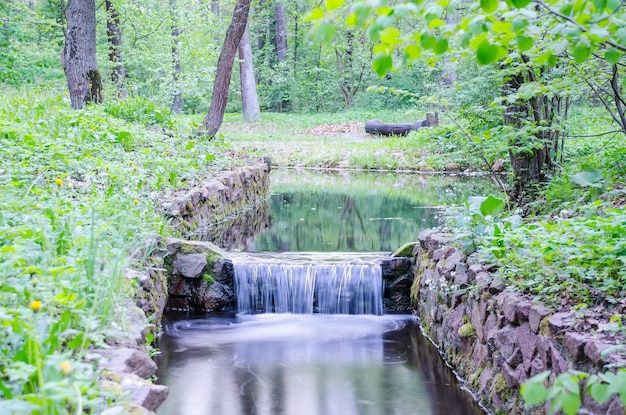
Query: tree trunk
{"x":177,"y":103}
{"x":114,"y":34}
{"x":249,"y":99}
{"x":79,"y":54}
{"x":215,"y":7}
{"x":215,"y":116}
{"x":281,"y":31}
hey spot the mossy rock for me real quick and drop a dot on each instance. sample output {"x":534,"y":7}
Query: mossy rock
{"x":466,"y":330}
{"x":405,"y":251}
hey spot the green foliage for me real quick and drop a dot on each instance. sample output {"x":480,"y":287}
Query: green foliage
{"x":140,"y":110}
{"x":483,"y":217}
{"x":76,"y":196}
{"x":564,"y":394}
{"x":581,"y":258}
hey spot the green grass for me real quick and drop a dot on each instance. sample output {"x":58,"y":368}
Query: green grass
{"x":77,"y":195}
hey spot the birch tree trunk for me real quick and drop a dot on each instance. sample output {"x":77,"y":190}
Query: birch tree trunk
{"x":249,"y":99}
{"x":177,"y":103}
{"x":79,"y":54}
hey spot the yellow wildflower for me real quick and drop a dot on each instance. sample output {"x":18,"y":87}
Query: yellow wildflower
{"x":66,"y":367}
{"x":59,"y":182}
{"x":35,"y":305}
{"x":136,"y":201}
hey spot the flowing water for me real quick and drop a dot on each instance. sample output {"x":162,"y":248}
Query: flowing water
{"x":309,"y":337}
{"x":296,"y":364}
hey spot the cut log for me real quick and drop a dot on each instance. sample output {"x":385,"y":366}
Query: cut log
{"x":382,"y":128}
{"x":379,"y":127}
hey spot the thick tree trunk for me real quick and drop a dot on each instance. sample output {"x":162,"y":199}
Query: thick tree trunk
{"x":177,"y":103}
{"x":249,"y":99}
{"x":114,"y":34}
{"x":215,"y":116}
{"x":281,"y":31}
{"x":79,"y":54}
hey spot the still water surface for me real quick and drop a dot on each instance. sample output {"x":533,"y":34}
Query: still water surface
{"x":345,"y":212}
{"x":271,"y":364}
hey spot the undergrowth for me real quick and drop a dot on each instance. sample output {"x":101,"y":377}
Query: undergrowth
{"x":77,"y":193}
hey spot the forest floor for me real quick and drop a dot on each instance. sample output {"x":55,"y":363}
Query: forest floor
{"x":341,"y":142}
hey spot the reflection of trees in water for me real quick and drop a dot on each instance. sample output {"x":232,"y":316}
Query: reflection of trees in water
{"x":319,"y":221}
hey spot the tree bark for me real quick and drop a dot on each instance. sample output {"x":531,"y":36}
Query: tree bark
{"x":177,"y":103}
{"x":79,"y":54}
{"x":281,"y":31}
{"x":249,"y":99}
{"x":215,"y":7}
{"x":114,"y":34}
{"x":215,"y":116}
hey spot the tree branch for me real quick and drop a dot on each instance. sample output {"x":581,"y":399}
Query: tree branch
{"x":575,"y":23}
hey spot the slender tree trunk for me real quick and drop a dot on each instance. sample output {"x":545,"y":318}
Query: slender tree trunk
{"x":215,"y":7}
{"x":79,"y":54}
{"x":177,"y":103}
{"x":114,"y":34}
{"x":249,"y":99}
{"x":215,"y":116}
{"x":281,"y":31}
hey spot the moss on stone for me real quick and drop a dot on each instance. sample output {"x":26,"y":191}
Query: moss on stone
{"x":544,"y":327}
{"x":208,"y":278}
{"x":405,"y":251}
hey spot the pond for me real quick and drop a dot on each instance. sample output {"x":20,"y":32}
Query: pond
{"x":299,"y":362}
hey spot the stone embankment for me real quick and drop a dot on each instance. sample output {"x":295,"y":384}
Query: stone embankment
{"x":496,"y":338}
{"x":127,"y":365}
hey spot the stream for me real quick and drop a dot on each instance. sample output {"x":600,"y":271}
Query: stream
{"x":310,"y":337}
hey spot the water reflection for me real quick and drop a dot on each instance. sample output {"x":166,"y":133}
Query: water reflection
{"x":348,"y":212}
{"x":305,"y":365}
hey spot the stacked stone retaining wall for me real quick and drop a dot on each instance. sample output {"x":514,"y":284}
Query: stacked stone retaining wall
{"x":497,"y":338}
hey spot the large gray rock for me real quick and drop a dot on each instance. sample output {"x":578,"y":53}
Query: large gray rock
{"x":127,"y":360}
{"x":189,"y":265}
{"x":575,"y":345}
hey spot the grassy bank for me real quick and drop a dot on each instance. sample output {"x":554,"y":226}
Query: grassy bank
{"x":77,"y":195}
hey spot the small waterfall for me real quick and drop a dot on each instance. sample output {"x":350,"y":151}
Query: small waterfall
{"x":276,"y":286}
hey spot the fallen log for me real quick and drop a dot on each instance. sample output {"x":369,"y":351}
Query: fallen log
{"x":382,"y":128}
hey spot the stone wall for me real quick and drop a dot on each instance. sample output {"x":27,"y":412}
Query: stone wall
{"x":496,"y":338}
{"x":216,"y":199}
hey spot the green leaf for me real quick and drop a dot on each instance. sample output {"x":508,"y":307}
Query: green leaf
{"x":492,"y":206}
{"x":502,"y":27}
{"x":486,"y":53}
{"x":428,"y":41}
{"x":534,"y":392}
{"x":588,"y":178}
{"x":412,"y":52}
{"x":325,"y":32}
{"x":600,"y":4}
{"x":581,"y":53}
{"x":489,"y":6}
{"x":600,"y":392}
{"x":524,"y":43}
{"x":382,"y":64}
{"x":520,"y":3}
{"x":612,"y":55}
{"x":441,"y":46}
{"x":315,"y":14}
{"x":390,"y":36}
{"x":570,"y":403}
{"x":333,"y":4}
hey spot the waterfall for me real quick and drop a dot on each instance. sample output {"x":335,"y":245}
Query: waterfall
{"x":308,"y":287}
